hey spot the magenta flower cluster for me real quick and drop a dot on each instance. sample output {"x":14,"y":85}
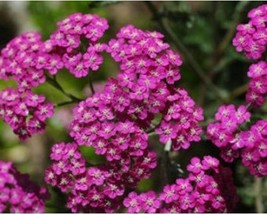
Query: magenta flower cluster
{"x":22,"y":60}
{"x":225,"y":133}
{"x":180,"y":124}
{"x":254,"y":154}
{"x":97,"y":188}
{"x":26,"y":58}
{"x":65,"y":45}
{"x":257,"y":85}
{"x":25,"y":112}
{"x":251,"y":38}
{"x":149,"y":70}
{"x":208,"y":188}
{"x":18,"y":193}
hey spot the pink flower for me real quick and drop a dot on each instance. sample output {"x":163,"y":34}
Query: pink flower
{"x":97,"y":176}
{"x":149,"y":202}
{"x":195,"y":166}
{"x":257,"y":70}
{"x":131,"y":202}
{"x":242,"y":115}
{"x":169,"y":194}
{"x":18,"y":192}
{"x":45,"y":111}
{"x":113,"y":190}
{"x":210,"y":163}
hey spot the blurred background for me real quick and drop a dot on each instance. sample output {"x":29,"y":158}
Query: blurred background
{"x":213,"y":73}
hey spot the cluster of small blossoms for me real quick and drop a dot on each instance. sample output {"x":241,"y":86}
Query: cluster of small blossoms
{"x":27,"y":57}
{"x":67,"y":47}
{"x":251,"y":145}
{"x":208,"y":188}
{"x":254,"y":154}
{"x":67,"y":162}
{"x":25,"y":112}
{"x":123,"y":143}
{"x":251,"y":38}
{"x":18,"y":194}
{"x":97,"y":188}
{"x":180,"y":124}
{"x":149,"y":70}
{"x":224,"y":133}
{"x":147,"y":66}
{"x":112,"y":135}
{"x":257,"y":86}
{"x":22,"y":59}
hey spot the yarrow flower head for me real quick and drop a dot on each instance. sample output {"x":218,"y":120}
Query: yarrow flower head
{"x":106,"y":183}
{"x":224,"y":132}
{"x":67,"y":49}
{"x":24,"y":60}
{"x":180,"y":121}
{"x":254,"y":155}
{"x":18,"y":194}
{"x":250,"y":144}
{"x":25,"y":112}
{"x":251,"y":38}
{"x":208,"y":188}
{"x":146,"y":63}
{"x":257,"y":86}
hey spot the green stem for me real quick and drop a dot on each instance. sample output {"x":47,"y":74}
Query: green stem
{"x":66,"y":103}
{"x":164,"y":168}
{"x":53,"y":81}
{"x":91,"y":85}
{"x":237,"y":92}
{"x":258,"y":195}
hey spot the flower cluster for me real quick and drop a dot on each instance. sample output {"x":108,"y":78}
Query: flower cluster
{"x":149,"y":70}
{"x":180,"y":121}
{"x":97,"y":188}
{"x":95,"y":125}
{"x":225,"y":133}
{"x":208,"y":188}
{"x":254,"y":154}
{"x":27,"y":57}
{"x":25,"y":112}
{"x":18,"y":193}
{"x":22,"y":60}
{"x":257,"y":85}
{"x":67,"y":48}
{"x":251,"y":38}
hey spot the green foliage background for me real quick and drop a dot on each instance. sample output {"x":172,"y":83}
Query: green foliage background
{"x":213,"y":73}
